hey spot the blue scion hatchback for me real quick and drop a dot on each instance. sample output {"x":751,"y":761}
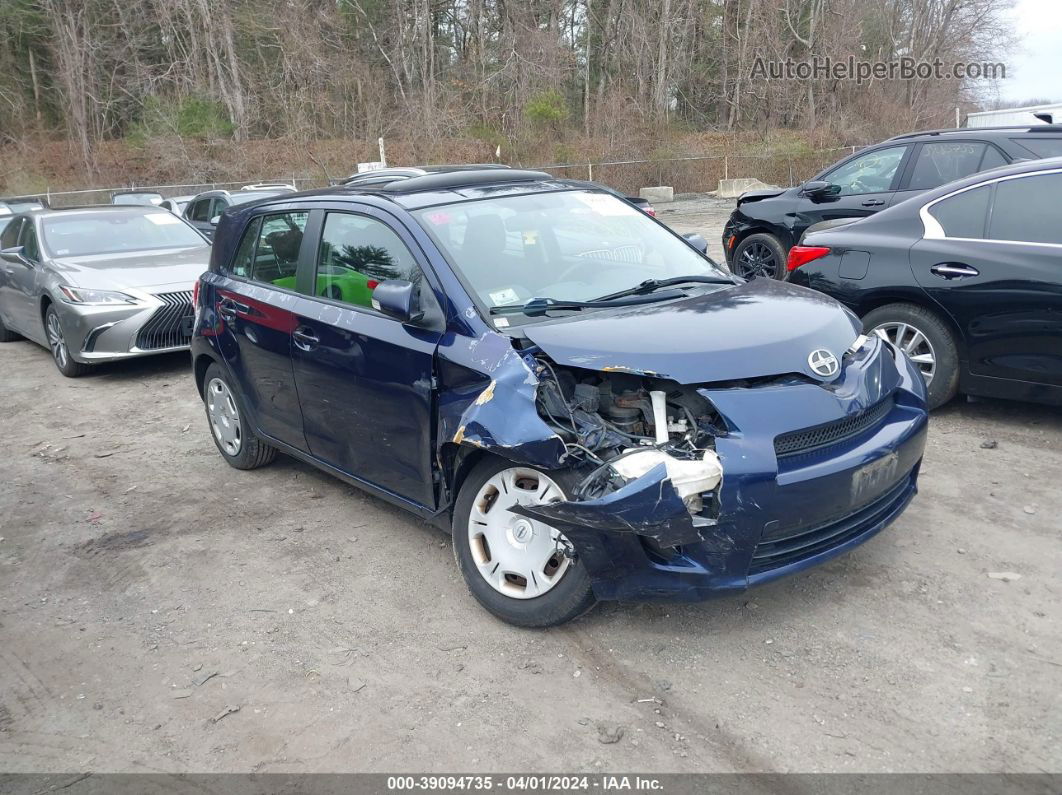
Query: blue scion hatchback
{"x":590,"y":405}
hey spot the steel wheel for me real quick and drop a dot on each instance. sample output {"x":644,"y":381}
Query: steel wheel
{"x":519,"y":557}
{"x":914,"y":343}
{"x":56,"y":340}
{"x":756,"y":260}
{"x":224,"y":416}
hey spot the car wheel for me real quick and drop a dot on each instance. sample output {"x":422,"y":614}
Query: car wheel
{"x":516,"y":567}
{"x":759,"y":256}
{"x":53,"y":328}
{"x":928,"y":342}
{"x":6,"y":335}
{"x":228,"y":424}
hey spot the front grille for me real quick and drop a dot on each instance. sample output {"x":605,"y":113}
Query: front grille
{"x":830,"y":433}
{"x":781,"y":550}
{"x":171,"y":324}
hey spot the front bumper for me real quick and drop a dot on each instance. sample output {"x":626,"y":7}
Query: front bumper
{"x":161,"y":323}
{"x":776,"y":511}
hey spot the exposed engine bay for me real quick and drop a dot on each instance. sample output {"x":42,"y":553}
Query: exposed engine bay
{"x":618,"y":426}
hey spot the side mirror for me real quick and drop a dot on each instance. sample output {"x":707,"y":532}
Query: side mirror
{"x":816,"y":189}
{"x":214,"y":220}
{"x":16,"y":255}
{"x":396,"y":298}
{"x":697,"y":242}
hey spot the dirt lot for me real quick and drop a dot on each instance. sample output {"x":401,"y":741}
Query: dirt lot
{"x":149,"y":589}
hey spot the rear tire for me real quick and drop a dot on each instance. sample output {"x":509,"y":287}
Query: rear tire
{"x":53,"y":329}
{"x":227,"y":419}
{"x":562,"y":599}
{"x":759,"y":256}
{"x":929,"y":342}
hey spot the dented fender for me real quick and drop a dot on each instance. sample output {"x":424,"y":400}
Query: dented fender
{"x":647,"y":506}
{"x":500,"y":417}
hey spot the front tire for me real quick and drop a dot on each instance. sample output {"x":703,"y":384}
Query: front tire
{"x":53,"y":328}
{"x":925,"y":338}
{"x":228,"y":423}
{"x":759,"y":256}
{"x":515,"y":567}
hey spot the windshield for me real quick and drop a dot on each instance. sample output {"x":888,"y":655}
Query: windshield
{"x":568,"y":246}
{"x":116,"y":231}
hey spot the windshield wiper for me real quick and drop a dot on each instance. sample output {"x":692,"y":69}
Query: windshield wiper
{"x":651,"y":285}
{"x":540,"y":306}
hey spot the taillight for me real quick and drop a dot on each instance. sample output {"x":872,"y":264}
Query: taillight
{"x":649,"y":211}
{"x":802,"y":255}
{"x":372,"y":284}
{"x":195,"y":293}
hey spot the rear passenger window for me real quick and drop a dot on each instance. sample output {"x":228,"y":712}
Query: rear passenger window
{"x":1028,"y":210}
{"x":963,"y":215}
{"x":945,"y":161}
{"x":356,"y":254}
{"x":276,"y":251}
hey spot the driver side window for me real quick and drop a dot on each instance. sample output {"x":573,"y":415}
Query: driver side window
{"x":870,"y":173}
{"x":356,"y":254}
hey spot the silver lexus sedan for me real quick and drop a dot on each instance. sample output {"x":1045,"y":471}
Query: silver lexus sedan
{"x":101,"y":283}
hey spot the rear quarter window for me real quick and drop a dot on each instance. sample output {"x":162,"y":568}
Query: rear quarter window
{"x":1028,"y":210}
{"x":963,"y":215}
{"x":1041,"y":147}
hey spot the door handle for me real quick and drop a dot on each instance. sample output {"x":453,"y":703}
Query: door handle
{"x":873,"y":202}
{"x":228,"y":308}
{"x":954,"y":270}
{"x":305,"y":339}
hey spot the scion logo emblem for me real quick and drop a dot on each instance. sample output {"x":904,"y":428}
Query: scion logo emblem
{"x":823,"y":363}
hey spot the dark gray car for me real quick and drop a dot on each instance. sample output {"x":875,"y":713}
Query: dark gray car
{"x":101,"y":283}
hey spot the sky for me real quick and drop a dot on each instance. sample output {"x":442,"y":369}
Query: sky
{"x":1034,"y":68}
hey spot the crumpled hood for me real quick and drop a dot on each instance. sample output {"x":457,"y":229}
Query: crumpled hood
{"x":137,"y":269}
{"x":761,"y":328}
{"x":758,"y":194}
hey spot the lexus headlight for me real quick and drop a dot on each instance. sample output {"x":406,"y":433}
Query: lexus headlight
{"x":77,"y":295}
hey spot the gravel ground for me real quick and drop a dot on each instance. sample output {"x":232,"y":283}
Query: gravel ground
{"x":164,"y":612}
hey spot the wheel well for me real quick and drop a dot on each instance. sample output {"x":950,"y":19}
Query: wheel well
{"x":740,"y":238}
{"x":202,"y":362}
{"x":877,"y":302}
{"x":46,"y":302}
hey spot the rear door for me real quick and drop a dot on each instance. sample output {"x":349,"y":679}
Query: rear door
{"x":992,"y":258}
{"x":365,"y":380}
{"x":863,"y":184}
{"x":254,"y":300}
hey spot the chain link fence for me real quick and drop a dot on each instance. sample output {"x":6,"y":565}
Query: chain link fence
{"x":685,"y":174}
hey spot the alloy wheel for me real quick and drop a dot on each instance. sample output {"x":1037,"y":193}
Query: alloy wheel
{"x":518,"y":557}
{"x":914,"y":343}
{"x":224,"y":416}
{"x":56,"y":340}
{"x":756,"y":261}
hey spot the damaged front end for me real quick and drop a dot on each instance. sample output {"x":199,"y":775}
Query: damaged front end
{"x":643,"y":449}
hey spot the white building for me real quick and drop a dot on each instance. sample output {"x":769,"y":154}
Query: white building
{"x":1013,"y":117}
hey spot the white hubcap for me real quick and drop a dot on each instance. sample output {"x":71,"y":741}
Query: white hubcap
{"x":224,"y":416}
{"x":519,"y":557}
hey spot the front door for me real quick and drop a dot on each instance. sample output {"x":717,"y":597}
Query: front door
{"x":365,"y":380}
{"x":993,"y":261}
{"x":863,"y":186}
{"x":21,"y":305}
{"x":254,"y":299}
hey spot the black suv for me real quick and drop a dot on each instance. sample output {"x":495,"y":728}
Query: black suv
{"x":767,"y":223}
